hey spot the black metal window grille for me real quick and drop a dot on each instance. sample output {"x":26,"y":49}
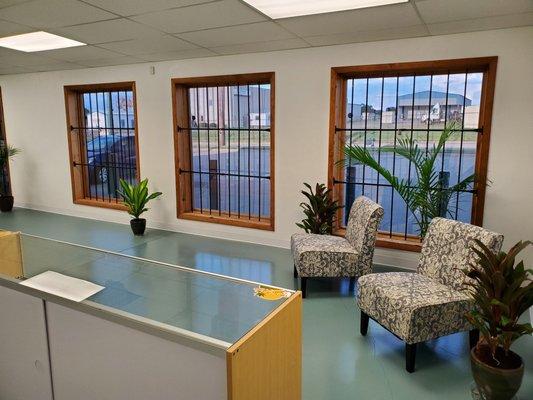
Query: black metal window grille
{"x":380,"y":110}
{"x":230,"y":149}
{"x":107,"y":142}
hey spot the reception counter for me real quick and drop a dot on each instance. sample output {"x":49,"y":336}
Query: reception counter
{"x":156,"y":331}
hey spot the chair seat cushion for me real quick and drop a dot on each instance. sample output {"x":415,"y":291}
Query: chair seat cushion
{"x":413,"y":306}
{"x":323,"y":255}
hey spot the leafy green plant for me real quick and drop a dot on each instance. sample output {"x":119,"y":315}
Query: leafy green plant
{"x":502,"y":291}
{"x":320,"y":211}
{"x":6,"y":152}
{"x":136,"y":196}
{"x":426,"y":196}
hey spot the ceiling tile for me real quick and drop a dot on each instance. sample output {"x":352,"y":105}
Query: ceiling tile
{"x":250,"y":33}
{"x":7,"y":3}
{"x":368,"y":36}
{"x":103,"y":62}
{"x":285,"y":44}
{"x":8,"y":70}
{"x":375,"y":18}
{"x":177,"y":55}
{"x":107,"y":31}
{"x":60,"y":66}
{"x":135,"y":7}
{"x":480,"y":24}
{"x":10,"y":28}
{"x":75,"y":54}
{"x":24,"y":59}
{"x":53,"y":13}
{"x":204,"y":16}
{"x":161,"y":43}
{"x":453,"y":10}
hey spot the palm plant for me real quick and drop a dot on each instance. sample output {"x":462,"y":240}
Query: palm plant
{"x":501,"y":292}
{"x":136,"y":197}
{"x":428,"y":197}
{"x":320,"y":212}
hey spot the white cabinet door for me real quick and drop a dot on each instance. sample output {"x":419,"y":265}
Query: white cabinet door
{"x":24,"y":362}
{"x":95,"y":359}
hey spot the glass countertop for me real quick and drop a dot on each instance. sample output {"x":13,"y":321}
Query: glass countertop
{"x":218,"y":307}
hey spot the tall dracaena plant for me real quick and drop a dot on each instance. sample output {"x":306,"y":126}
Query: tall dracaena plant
{"x":136,"y":197}
{"x":425,"y":196}
{"x":320,"y":211}
{"x":6,"y":152}
{"x":502,"y":291}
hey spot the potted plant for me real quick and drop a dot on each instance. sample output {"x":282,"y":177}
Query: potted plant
{"x":502,"y":291}
{"x":6,"y":199}
{"x":135,"y":198}
{"x":427,"y":199}
{"x":320,"y":212}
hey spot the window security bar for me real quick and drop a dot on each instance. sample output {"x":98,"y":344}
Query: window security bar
{"x":479,"y":130}
{"x":212,"y":172}
{"x":339,"y":182}
{"x":181,"y":128}
{"x":387,"y":108}
{"x":103,"y":128}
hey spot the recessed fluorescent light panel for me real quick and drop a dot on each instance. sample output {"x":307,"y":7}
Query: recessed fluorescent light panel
{"x":37,"y":41}
{"x":292,"y":8}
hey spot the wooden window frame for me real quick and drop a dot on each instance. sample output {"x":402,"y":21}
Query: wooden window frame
{"x":79,"y":178}
{"x":339,"y":76}
{"x":180,"y":112}
{"x":3,"y":136}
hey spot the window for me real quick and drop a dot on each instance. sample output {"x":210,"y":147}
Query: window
{"x":374,"y":106}
{"x":5,"y":185}
{"x":102,"y":137}
{"x":224,"y":147}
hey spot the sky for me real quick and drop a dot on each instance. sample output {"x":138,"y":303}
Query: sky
{"x":409,"y":84}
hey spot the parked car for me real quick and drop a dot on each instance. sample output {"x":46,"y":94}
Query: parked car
{"x":104,"y":152}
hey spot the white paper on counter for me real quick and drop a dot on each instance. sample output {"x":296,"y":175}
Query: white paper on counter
{"x":63,"y":286}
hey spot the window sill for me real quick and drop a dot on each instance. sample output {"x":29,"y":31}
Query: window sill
{"x":398,"y":242}
{"x":254,"y":223}
{"x":102,"y":204}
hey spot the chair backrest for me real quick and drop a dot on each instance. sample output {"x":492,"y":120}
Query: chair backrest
{"x":361,"y":231}
{"x":447,"y":250}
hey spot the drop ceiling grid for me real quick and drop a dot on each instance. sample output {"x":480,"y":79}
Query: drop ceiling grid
{"x":129,"y":31}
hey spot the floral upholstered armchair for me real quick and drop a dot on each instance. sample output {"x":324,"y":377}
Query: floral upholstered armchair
{"x":433,"y":301}
{"x":335,"y":256}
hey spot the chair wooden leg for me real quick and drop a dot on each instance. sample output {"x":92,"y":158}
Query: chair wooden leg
{"x":295,"y":272}
{"x":410,"y":356}
{"x":303,"y":286}
{"x":473,"y":337}
{"x":364,"y":323}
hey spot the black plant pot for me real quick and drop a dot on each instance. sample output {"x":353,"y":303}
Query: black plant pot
{"x":6,"y":203}
{"x":138,"y":226}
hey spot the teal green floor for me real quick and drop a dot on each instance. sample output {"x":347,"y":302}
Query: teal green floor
{"x":338,"y":363}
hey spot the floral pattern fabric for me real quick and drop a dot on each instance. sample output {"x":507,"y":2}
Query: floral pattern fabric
{"x":334,"y":256}
{"x":432,"y":302}
{"x":447,"y":250}
{"x":362,"y":229}
{"x":413,"y":306}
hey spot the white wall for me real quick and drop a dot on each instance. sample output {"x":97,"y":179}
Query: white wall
{"x":35,"y":121}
